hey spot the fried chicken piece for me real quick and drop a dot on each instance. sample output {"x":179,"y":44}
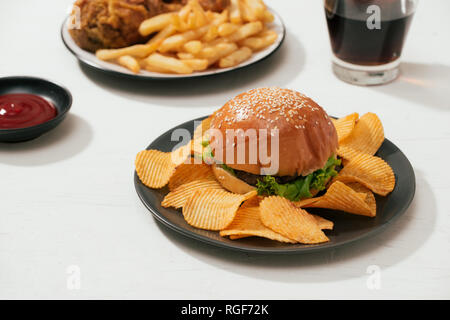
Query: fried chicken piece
{"x":109,"y":24}
{"x":164,"y":6}
{"x":214,"y":5}
{"x":112,"y":23}
{"x":208,"y":5}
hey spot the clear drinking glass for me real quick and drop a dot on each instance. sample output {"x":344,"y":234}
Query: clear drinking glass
{"x":367,"y":38}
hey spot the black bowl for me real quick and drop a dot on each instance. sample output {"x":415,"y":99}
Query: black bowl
{"x":60,"y":97}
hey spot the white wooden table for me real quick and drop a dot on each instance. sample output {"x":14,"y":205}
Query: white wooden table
{"x":68,"y":206}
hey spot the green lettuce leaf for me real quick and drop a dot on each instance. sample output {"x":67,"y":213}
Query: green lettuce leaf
{"x":302,"y":186}
{"x":227,"y":168}
{"x":294,"y":191}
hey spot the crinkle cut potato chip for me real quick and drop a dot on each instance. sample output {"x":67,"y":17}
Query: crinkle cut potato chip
{"x":343,"y":198}
{"x":370,"y":198}
{"x":252,"y":202}
{"x":324,"y":224}
{"x":280,"y":215}
{"x":213,"y":209}
{"x":178,"y":197}
{"x":366,"y":137}
{"x":344,"y":126}
{"x":154,"y":168}
{"x":182,"y":155}
{"x":186,"y":173}
{"x":239,"y":236}
{"x":370,"y":171}
{"x":305,"y":202}
{"x":248,"y":223}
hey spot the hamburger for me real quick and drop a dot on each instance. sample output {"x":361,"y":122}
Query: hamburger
{"x":303,"y":133}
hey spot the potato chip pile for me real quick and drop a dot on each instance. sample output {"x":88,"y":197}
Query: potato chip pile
{"x":194,"y":40}
{"x":205,"y":204}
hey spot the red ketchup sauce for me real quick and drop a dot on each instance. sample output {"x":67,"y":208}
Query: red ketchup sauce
{"x":21,"y":110}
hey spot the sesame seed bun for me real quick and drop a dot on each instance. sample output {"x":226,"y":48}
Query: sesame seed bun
{"x":307,"y":136}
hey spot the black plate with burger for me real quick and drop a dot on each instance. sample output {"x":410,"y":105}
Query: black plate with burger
{"x":307,"y":165}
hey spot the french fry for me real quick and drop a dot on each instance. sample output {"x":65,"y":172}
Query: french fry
{"x":235,"y":58}
{"x":217,"y":20}
{"x":141,"y":63}
{"x":184,"y":12}
{"x":227,"y":28}
{"x":130,"y":63}
{"x":200,"y":18}
{"x":192,"y":21}
{"x":179,"y":24}
{"x":185,"y":56}
{"x":221,"y":18}
{"x":247,"y":12}
{"x":193,"y":47}
{"x":210,"y":15}
{"x":261,"y":41}
{"x":218,"y":51}
{"x":161,"y":36}
{"x":154,"y":68}
{"x":256,"y":8}
{"x":211,"y":34}
{"x":235,"y":12}
{"x":157,"y":60}
{"x":137,"y":50}
{"x":197,"y":64}
{"x":268,"y":17}
{"x":178,"y":40}
{"x":156,"y":23}
{"x":245,"y":31}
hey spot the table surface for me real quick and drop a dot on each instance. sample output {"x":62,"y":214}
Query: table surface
{"x":72,"y":226}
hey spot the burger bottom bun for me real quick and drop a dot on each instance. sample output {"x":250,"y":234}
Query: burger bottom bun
{"x":230,"y":182}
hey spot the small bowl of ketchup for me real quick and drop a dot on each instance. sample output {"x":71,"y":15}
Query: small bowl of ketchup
{"x":30,"y":107}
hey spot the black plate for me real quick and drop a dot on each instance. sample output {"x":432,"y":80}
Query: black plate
{"x":348,"y":228}
{"x":92,"y":61}
{"x":59,"y":96}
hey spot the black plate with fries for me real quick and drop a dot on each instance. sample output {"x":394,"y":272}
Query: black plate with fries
{"x":92,"y":61}
{"x":348,"y":228}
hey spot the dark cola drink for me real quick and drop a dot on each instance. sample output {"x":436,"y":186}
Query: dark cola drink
{"x":367,"y":37}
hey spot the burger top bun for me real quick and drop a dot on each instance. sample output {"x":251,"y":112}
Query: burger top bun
{"x":307,"y":136}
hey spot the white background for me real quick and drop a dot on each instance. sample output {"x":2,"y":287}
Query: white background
{"x":68,"y":198}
